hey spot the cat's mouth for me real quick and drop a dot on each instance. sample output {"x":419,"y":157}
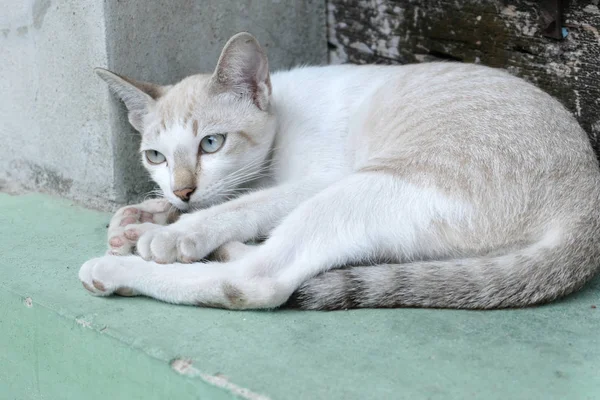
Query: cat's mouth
{"x":198,"y":203}
{"x":190,"y":206}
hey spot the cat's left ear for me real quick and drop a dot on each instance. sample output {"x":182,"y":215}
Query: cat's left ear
{"x":138,"y":96}
{"x":243,"y":69}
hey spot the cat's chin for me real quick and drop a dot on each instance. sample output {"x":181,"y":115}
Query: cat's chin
{"x":181,"y":206}
{"x":198,"y":205}
{"x":184,"y":209}
{"x":193,"y":206}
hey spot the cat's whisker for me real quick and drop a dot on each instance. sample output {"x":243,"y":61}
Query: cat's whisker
{"x":242,"y":175}
{"x":172,"y":208}
{"x":152,"y":194}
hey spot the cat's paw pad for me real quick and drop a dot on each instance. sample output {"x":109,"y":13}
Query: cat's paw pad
{"x":122,"y":241}
{"x":103,"y":276}
{"x":89,"y":275}
{"x":169,"y":245}
{"x":130,"y":222}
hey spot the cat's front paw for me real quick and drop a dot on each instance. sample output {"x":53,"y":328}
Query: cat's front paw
{"x":131,"y":222}
{"x":168,"y":245}
{"x":105,"y":276}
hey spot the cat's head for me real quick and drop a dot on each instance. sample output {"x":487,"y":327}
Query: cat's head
{"x":208,"y":134}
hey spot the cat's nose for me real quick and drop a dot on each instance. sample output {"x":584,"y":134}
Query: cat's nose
{"x":184,"y":194}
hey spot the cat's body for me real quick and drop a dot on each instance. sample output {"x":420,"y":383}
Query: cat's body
{"x":444,"y":185}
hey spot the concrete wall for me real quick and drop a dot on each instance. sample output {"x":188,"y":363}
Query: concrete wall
{"x":61,"y":130}
{"x":54,"y":118}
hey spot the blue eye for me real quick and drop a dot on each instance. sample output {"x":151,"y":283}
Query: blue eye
{"x":212,"y":143}
{"x":154,"y":157}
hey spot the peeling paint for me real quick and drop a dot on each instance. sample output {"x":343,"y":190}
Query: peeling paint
{"x":361,"y":47}
{"x":389,"y":48}
{"x":524,"y":22}
{"x":416,"y":17}
{"x":577,"y":103}
{"x":596,"y":129}
{"x":558,"y":69}
{"x":510,"y":10}
{"x":382,"y":24}
{"x":592,"y":29}
{"x":185,"y":367}
{"x":83,"y":322}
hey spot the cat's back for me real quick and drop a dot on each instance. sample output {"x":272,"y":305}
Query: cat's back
{"x":434,"y":114}
{"x":473,"y":110}
{"x":440,"y":97}
{"x":475,"y":130}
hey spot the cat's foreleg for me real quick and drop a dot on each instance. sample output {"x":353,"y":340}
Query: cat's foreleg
{"x":365,"y":217}
{"x":195,"y":235}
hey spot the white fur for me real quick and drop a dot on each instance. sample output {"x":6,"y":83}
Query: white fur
{"x":355,"y":164}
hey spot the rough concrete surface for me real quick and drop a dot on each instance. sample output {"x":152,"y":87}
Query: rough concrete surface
{"x":58,"y":342}
{"x":60,"y":129}
{"x":54,"y":119}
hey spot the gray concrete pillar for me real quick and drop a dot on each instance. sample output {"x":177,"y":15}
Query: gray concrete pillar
{"x":60,"y":129}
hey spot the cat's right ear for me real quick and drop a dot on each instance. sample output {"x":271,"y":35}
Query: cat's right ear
{"x":138,"y":96}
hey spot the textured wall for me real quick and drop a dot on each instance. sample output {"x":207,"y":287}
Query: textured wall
{"x":54,"y":121}
{"x":499,"y":33}
{"x":61,"y":131}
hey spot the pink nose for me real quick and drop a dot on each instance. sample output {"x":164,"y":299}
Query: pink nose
{"x":184,"y":194}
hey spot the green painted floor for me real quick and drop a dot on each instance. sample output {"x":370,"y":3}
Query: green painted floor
{"x":58,"y":342}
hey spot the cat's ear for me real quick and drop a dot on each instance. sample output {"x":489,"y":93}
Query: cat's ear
{"x":138,"y":96}
{"x":243,"y":69}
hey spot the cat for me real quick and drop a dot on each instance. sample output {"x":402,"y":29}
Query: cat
{"x":443,"y":185}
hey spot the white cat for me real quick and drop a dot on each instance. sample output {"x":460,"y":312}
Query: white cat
{"x":430,"y":185}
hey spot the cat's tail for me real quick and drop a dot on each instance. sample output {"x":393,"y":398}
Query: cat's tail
{"x":553,"y":267}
